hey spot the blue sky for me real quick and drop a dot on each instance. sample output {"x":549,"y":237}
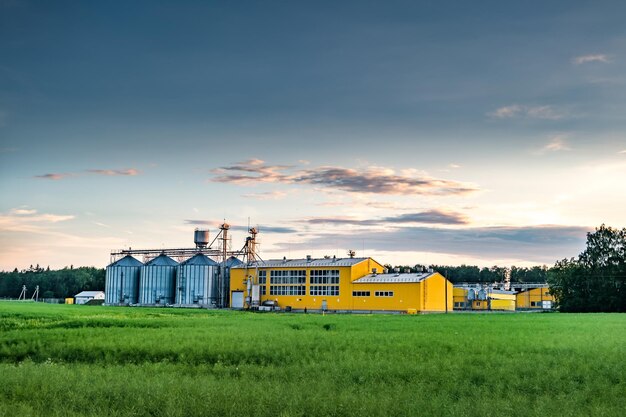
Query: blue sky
{"x":416,"y":132}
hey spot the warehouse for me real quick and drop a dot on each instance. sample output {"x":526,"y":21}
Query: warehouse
{"x":337,"y":284}
{"x":85,"y":296}
{"x":475,"y":297}
{"x":535,"y":299}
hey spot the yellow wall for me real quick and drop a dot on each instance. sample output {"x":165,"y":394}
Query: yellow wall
{"x":536,"y":295}
{"x":428,"y":295}
{"x":508,"y":305}
{"x":69,"y":301}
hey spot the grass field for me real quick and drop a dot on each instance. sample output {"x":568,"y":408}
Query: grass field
{"x":58,"y":360}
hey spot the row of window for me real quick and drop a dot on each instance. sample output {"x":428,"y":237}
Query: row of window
{"x":376,"y":293}
{"x":383,"y":293}
{"x":324,"y":290}
{"x":318,"y":276}
{"x":288,"y":277}
{"x":287,"y":290}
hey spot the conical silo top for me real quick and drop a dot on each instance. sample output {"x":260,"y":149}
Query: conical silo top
{"x":127,"y":261}
{"x":199,"y":259}
{"x":232,"y":261}
{"x":162,"y":260}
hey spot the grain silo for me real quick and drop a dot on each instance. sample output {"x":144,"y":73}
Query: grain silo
{"x":157,"y":281}
{"x":122,"y":281}
{"x":196,"y":282}
{"x":224,"y":279}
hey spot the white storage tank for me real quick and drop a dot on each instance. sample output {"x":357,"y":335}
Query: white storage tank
{"x":157,"y":281}
{"x":196,"y":282}
{"x":122,"y":281}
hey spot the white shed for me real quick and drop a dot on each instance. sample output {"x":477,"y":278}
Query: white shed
{"x":84,"y":296}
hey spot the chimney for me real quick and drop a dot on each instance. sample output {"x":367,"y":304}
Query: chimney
{"x":374,"y":271}
{"x":308,"y":258}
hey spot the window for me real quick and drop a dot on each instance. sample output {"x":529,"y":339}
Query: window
{"x":288,"y":282}
{"x":287,"y":290}
{"x":324,"y":290}
{"x":360,"y":293}
{"x":324,"y":282}
{"x":263,"y":282}
{"x":383,"y":293}
{"x":288,"y":277}
{"x":534,"y":304}
{"x":324,"y":276}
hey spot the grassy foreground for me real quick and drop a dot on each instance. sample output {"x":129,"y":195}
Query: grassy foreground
{"x":58,"y":360}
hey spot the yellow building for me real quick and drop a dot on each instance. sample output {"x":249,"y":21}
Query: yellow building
{"x":466,"y":298}
{"x":337,"y":284}
{"x":535,"y":299}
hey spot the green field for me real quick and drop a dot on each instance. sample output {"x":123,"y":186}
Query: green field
{"x":103,"y":361}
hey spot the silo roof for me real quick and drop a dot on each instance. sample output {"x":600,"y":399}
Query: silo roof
{"x":162,"y":260}
{"x":232,"y":261}
{"x":127,"y":261}
{"x":199,"y":259}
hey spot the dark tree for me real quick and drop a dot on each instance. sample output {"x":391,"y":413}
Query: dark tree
{"x":596,"y":281}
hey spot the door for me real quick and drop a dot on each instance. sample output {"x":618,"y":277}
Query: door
{"x":237,"y":300}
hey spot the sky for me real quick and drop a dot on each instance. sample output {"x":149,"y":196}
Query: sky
{"x":415,"y":132}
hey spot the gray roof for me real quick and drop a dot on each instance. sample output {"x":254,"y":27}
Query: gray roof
{"x":127,"y":261}
{"x":89,"y":293}
{"x":501,"y":292}
{"x":393,"y":278}
{"x":303,"y":263}
{"x":199,"y":259}
{"x":162,"y":260}
{"x":231,"y":262}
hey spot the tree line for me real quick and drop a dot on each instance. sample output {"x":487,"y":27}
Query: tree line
{"x":596,"y":280}
{"x":475,"y":274}
{"x":62,"y":283}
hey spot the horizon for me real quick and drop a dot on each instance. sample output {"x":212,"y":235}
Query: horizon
{"x":450,"y":133}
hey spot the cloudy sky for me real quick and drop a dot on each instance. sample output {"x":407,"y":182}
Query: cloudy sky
{"x":484,"y":132}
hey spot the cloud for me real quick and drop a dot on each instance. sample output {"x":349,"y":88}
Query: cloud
{"x":102,"y":225}
{"x":624,"y":151}
{"x":260,"y":228}
{"x":584,"y":59}
{"x":112,"y":172}
{"x":53,"y":176}
{"x":424,"y":217}
{"x":270,"y":195}
{"x":29,"y":220}
{"x":557,"y":143}
{"x":531,"y":112}
{"x":542,"y":244}
{"x":107,"y":172}
{"x":22,"y":211}
{"x":377,"y":180}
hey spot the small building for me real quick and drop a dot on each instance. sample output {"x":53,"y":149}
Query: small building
{"x":535,"y":299}
{"x":479,"y":298}
{"x":84,"y":296}
{"x":337,"y":284}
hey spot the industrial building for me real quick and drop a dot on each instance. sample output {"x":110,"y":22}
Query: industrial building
{"x":337,"y":284}
{"x":205,"y":277}
{"x":182,"y":277}
{"x":521,"y":296}
{"x":84,"y":297}
{"x":535,"y":299}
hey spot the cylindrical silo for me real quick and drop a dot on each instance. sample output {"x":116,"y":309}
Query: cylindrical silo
{"x":223,"y":281}
{"x":122,"y":281}
{"x":157,"y":281}
{"x":196,"y":282}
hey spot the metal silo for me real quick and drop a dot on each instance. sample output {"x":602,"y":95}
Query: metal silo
{"x":157,"y":281}
{"x":196,"y":282}
{"x":224,"y":279}
{"x":122,"y":281}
